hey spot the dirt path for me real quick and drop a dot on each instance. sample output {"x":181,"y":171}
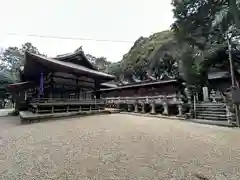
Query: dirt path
{"x":118,"y":147}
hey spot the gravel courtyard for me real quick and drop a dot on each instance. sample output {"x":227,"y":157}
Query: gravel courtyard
{"x":118,"y":146}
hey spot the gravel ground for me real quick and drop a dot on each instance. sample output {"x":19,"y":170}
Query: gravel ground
{"x":118,"y":146}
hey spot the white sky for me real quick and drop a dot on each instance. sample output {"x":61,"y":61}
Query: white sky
{"x":95,"y":19}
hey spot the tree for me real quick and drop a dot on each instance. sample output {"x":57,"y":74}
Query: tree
{"x":201,"y":21}
{"x":228,"y":15}
{"x":115,"y":69}
{"x":101,"y":63}
{"x":204,"y":25}
{"x":5,"y":79}
{"x":30,"y":48}
{"x":191,"y":24}
{"x":13,"y":57}
{"x":156,"y":54}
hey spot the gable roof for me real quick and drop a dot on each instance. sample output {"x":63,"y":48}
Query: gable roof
{"x":76,"y":58}
{"x":60,"y":65}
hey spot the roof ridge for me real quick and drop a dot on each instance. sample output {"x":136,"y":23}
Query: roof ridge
{"x":72,"y":65}
{"x":70,"y":55}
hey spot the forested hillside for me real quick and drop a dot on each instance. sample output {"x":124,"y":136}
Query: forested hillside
{"x":149,"y":57}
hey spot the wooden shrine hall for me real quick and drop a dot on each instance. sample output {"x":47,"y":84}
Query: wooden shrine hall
{"x":160,"y":96}
{"x":67,"y":83}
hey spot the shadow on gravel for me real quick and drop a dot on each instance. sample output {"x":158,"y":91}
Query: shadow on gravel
{"x":201,"y":177}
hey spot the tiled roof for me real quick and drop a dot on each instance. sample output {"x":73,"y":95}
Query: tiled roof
{"x":148,"y":83}
{"x":72,"y":55}
{"x":71,"y":66}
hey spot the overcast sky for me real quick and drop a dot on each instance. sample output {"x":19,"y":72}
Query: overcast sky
{"x":124,"y":20}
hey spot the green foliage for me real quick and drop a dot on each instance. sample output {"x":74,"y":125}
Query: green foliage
{"x":204,"y":26}
{"x":115,"y":69}
{"x":156,"y":54}
{"x":6,"y":78}
{"x":228,"y":15}
{"x":102,"y":64}
{"x":199,"y":22}
{"x":13,"y":57}
{"x":191,"y":24}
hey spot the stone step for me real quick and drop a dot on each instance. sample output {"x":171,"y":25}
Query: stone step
{"x":211,"y":112}
{"x":212,"y":108}
{"x":211,"y":103}
{"x":212,"y":118}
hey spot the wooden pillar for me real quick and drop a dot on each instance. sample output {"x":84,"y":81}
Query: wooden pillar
{"x":50,"y":95}
{"x":165,"y":109}
{"x":136,"y":107}
{"x":129,"y":107}
{"x":153,"y":108}
{"x":180,"y":111}
{"x":52,"y":109}
{"x":37,"y":109}
{"x":118,"y":105}
{"x":51,"y":86}
{"x":143,"y":108}
{"x":77,"y":89}
{"x":62,"y":91}
{"x":80,"y":93}
{"x":25,"y":95}
{"x":96,"y":89}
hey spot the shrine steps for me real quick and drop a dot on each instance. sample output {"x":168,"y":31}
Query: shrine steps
{"x":216,"y":112}
{"x":211,"y":111}
{"x":212,"y":117}
{"x":210,"y":104}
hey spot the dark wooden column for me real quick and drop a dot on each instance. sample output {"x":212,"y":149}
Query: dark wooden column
{"x":62,"y":91}
{"x":77,"y":89}
{"x":51,"y":85}
{"x":96,"y":89}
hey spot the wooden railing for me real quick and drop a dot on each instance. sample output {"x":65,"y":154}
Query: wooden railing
{"x":171,"y":99}
{"x":52,"y":100}
{"x":146,"y":99}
